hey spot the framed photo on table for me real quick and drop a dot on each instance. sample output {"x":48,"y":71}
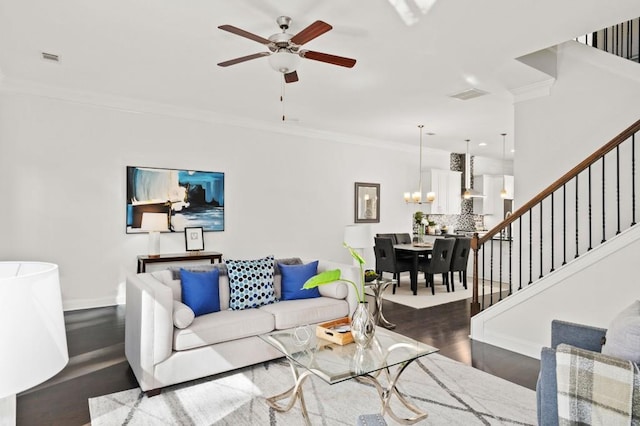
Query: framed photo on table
{"x":193,"y":237}
{"x":367,"y":202}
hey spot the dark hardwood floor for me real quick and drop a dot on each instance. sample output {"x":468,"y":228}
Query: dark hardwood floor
{"x":97,"y":365}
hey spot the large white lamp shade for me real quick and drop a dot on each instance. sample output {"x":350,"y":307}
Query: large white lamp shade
{"x":358,"y":237}
{"x":34,"y":342}
{"x":154,"y":223}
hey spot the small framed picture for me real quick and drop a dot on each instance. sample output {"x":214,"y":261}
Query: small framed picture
{"x":193,"y":238}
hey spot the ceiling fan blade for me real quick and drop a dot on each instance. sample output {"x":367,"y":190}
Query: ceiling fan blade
{"x":243,"y":59}
{"x":330,"y":59}
{"x":243,"y":33}
{"x":312,"y":31}
{"x":291,"y":77}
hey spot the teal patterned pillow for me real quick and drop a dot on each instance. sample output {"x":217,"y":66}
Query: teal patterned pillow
{"x":250,"y":283}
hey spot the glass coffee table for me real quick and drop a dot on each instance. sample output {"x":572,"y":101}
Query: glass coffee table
{"x":388,"y":355}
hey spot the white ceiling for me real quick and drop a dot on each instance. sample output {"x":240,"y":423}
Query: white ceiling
{"x":166,"y":51}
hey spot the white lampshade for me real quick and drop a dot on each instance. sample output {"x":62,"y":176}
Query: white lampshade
{"x":154,"y":223}
{"x":358,"y":236}
{"x":34,"y":341}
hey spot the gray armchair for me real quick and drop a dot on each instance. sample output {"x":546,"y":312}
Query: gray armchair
{"x":580,"y":336}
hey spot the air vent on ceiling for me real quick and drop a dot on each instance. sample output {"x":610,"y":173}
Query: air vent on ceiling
{"x":469,"y":94}
{"x":50,"y":57}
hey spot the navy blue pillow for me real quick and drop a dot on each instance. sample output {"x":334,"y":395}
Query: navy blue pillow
{"x":200,"y":291}
{"x":294,"y":277}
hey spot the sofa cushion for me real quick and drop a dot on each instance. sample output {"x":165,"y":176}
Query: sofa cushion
{"x":200,"y":291}
{"x":222,"y":326}
{"x":623,"y":334}
{"x":292,"y":313}
{"x":183,"y":315}
{"x":251,"y":282}
{"x":294,"y":277}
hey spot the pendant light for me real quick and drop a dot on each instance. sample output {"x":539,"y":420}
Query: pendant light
{"x":416,"y":196}
{"x":467,"y":174}
{"x":503,"y":191}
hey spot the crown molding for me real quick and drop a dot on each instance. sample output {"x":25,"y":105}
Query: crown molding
{"x":532,"y":91}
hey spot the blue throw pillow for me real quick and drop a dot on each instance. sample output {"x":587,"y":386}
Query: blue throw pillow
{"x":250,"y":282}
{"x":200,"y":291}
{"x":294,"y":277}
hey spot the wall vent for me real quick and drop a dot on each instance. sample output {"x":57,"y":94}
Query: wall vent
{"x":469,"y":94}
{"x":50,"y":57}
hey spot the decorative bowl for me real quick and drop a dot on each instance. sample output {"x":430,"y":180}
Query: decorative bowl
{"x":370,"y":275}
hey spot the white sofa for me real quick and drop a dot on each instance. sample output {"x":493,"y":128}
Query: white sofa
{"x":160,"y":354}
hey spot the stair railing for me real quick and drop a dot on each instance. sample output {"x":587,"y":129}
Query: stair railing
{"x":592,"y":202}
{"x":621,"y":40}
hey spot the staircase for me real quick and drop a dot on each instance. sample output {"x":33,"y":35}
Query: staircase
{"x":582,"y":218}
{"x":621,"y":40}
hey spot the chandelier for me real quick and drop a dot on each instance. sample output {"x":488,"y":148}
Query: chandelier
{"x":416,"y":196}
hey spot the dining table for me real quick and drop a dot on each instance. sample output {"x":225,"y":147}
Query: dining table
{"x":416,"y":249}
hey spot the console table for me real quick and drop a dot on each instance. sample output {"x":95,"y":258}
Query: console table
{"x":143,"y":260}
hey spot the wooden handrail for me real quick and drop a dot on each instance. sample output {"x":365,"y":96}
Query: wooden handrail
{"x":477,"y":241}
{"x":611,"y":145}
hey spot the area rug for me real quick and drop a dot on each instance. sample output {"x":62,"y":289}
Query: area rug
{"x":424,"y":298}
{"x":452,"y":393}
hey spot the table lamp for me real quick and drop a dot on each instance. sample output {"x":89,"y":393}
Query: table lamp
{"x":154,"y":223}
{"x":358,"y":237}
{"x":34,"y":341}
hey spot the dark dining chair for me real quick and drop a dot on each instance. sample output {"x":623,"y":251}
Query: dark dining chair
{"x":392,"y":237}
{"x":439,"y":262}
{"x":403,"y":238}
{"x":386,"y":260}
{"x":459,"y":260}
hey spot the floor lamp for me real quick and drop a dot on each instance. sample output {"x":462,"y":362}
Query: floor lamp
{"x":34,"y":341}
{"x":358,"y":237}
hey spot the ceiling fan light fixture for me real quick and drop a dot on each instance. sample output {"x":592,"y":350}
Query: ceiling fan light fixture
{"x":284,"y":61}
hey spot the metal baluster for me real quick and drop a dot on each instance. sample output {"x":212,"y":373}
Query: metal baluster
{"x":520,"y":253}
{"x":577,"y":253}
{"x":483,"y":260}
{"x":510,"y":236}
{"x":618,"y":185}
{"x":500,"y":268}
{"x":633,"y":170}
{"x":553,"y":234}
{"x":603,"y":204}
{"x":530,"y":247}
{"x":590,"y":215}
{"x":491,"y":272}
{"x":564,"y":224}
{"x":541,"y":240}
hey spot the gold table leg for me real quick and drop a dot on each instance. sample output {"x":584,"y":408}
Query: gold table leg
{"x":391,"y":389}
{"x":294,"y":393}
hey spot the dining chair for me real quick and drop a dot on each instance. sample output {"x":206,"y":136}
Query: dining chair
{"x":404,"y":238}
{"x":386,"y":260}
{"x":459,"y":260}
{"x":439,"y":262}
{"x":392,"y":237}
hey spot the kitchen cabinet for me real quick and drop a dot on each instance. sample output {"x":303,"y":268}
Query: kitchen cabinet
{"x":491,"y":204}
{"x":447,"y":185}
{"x":509,"y":185}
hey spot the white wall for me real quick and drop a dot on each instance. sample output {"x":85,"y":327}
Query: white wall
{"x":590,"y":290}
{"x":62,"y":180}
{"x":594,"y":98}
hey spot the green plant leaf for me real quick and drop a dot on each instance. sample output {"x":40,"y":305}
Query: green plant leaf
{"x":322,"y":278}
{"x":355,"y":254}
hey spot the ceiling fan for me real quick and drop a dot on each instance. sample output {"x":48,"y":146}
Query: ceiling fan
{"x":284,"y":48}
